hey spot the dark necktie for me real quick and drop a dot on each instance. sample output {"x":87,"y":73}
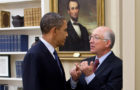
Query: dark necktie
{"x":96,"y":65}
{"x":75,"y":23}
{"x":57,"y":60}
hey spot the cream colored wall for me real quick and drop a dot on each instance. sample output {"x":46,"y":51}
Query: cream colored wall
{"x":67,"y":66}
{"x":137,"y":33}
{"x":113,"y":20}
{"x":128,"y":44}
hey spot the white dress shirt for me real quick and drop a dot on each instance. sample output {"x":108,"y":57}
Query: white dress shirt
{"x":49,"y":46}
{"x":77,"y":29}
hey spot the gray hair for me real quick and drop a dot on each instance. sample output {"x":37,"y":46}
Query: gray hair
{"x":51,"y":20}
{"x":109,"y":35}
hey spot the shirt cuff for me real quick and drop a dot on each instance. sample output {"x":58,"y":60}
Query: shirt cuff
{"x":89,"y":78}
{"x":73,"y":83}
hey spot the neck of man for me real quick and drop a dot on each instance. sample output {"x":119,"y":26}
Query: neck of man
{"x":49,"y":39}
{"x":103,"y":53}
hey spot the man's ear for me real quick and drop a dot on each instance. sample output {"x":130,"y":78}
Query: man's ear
{"x":108,"y":43}
{"x":53,"y":30}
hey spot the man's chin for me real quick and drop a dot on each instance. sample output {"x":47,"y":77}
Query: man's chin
{"x":61,"y":45}
{"x":75,"y":19}
{"x":93,"y":52}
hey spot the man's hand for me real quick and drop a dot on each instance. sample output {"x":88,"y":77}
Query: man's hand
{"x":75,"y":72}
{"x":86,"y":69}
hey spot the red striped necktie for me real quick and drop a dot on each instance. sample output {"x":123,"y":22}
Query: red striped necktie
{"x":96,"y":63}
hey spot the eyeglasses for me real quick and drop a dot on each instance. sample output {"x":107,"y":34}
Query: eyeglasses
{"x":96,"y":38}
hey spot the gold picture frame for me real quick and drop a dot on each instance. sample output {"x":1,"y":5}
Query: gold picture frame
{"x":100,"y":10}
{"x":79,"y":55}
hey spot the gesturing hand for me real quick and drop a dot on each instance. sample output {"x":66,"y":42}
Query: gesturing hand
{"x":86,"y":69}
{"x":75,"y":72}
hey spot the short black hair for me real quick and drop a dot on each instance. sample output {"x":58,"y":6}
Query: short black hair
{"x":50,"y":20}
{"x":72,"y":1}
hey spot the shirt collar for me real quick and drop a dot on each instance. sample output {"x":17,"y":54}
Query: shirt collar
{"x":101,"y":59}
{"x":48,"y":45}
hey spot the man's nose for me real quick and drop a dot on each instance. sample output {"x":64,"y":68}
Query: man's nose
{"x":66,"y":34}
{"x":91,"y":40}
{"x":75,"y":10}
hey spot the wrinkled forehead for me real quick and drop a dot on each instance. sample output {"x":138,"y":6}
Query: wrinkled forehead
{"x":101,"y":30}
{"x":98,"y":32}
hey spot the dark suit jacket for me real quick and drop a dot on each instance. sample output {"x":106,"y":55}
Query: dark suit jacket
{"x":40,"y":70}
{"x":73,"y":42}
{"x":107,"y":77}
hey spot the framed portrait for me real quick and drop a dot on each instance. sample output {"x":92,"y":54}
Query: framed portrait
{"x":4,"y":66}
{"x":90,"y":15}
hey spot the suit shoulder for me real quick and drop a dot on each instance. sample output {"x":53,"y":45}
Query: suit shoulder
{"x":38,"y":48}
{"x":117,"y":62}
{"x":34,"y":49}
{"x":82,"y":26}
{"x":117,"y":59}
{"x":114,"y":58}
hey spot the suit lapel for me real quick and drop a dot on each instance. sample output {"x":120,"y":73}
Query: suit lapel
{"x":61,"y":68}
{"x":105,"y":64}
{"x":72,"y":32}
{"x":82,"y":31}
{"x":100,"y":70}
{"x":45,"y":50}
{"x":83,"y":81}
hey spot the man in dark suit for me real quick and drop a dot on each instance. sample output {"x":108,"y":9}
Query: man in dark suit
{"x":42,"y":69}
{"x":103,"y":71}
{"x":78,"y":37}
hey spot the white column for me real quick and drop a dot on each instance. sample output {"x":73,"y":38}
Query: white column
{"x":128,"y":44}
{"x":113,"y":20}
